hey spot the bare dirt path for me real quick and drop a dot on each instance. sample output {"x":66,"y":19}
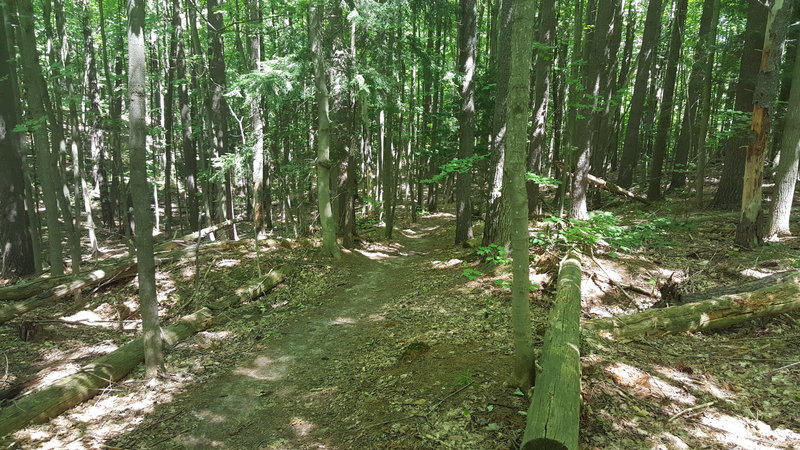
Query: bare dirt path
{"x":307,"y":385}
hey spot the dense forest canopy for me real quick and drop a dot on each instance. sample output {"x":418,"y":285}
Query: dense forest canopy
{"x":124,"y":124}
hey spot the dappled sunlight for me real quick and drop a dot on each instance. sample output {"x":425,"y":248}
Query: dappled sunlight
{"x":646,"y":386}
{"x":266,"y":368}
{"x":343,"y":321}
{"x":446,"y":264}
{"x":225,"y":263}
{"x":698,"y":382}
{"x":745,"y":432}
{"x":302,"y":427}
{"x":375,"y":256}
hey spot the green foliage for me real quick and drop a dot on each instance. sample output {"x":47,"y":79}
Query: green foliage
{"x":456,"y":165}
{"x":542,"y":180}
{"x":604,"y":229}
{"x":471,"y":274}
{"x":495,"y":254}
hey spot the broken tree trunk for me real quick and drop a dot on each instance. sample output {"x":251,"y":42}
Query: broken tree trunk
{"x":91,"y":379}
{"x":79,"y":387}
{"x":614,"y":189}
{"x":672,"y":295}
{"x":554,"y":413}
{"x":778,"y":297}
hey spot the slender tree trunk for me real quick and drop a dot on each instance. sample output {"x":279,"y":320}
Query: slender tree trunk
{"x":148,"y":300}
{"x":16,"y":245}
{"x":258,"y":129}
{"x":329,"y":245}
{"x":705,"y":107}
{"x":786,"y":177}
{"x":749,"y":232}
{"x":467,"y":61}
{"x":515,"y":168}
{"x":665,"y":115}
{"x":631,"y":147}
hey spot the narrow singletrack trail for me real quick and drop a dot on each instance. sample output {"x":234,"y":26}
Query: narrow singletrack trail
{"x":297,"y":390}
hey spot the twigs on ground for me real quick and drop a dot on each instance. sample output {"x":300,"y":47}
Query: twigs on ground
{"x":426,"y":414}
{"x":688,"y":410}
{"x":631,"y":301}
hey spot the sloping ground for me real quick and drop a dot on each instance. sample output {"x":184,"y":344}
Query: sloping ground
{"x":394,"y":348}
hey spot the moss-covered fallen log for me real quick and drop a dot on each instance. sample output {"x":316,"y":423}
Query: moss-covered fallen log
{"x":100,"y":373}
{"x":782,"y":295}
{"x":554,"y":413}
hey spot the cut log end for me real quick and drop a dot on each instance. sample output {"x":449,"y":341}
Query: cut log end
{"x":544,"y":444}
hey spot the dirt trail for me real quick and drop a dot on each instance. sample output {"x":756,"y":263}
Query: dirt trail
{"x":285,"y":395}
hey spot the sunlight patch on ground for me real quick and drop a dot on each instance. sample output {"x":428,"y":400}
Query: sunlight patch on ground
{"x":376,"y":317}
{"x":746,"y":433}
{"x":446,"y":264}
{"x":302,"y":427}
{"x":228,"y":263}
{"x":375,"y":256}
{"x":645,"y":385}
{"x":756,"y":274}
{"x":698,"y":382}
{"x":670,"y":441}
{"x":266,"y":368}
{"x":343,"y":321}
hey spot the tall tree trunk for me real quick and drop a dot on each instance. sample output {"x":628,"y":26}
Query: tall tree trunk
{"x":497,"y":229}
{"x":140,"y":191}
{"x":467,"y":62}
{"x":257,"y":118}
{"x":16,"y":246}
{"x":786,"y":176}
{"x":631,"y":147}
{"x":329,"y":245}
{"x":749,"y":232}
{"x":665,"y":115}
{"x":515,"y":169}
{"x":47,"y":167}
{"x":729,"y":192}
{"x":187,"y":138}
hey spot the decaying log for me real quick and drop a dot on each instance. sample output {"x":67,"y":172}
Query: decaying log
{"x":255,"y":290}
{"x":614,"y":189}
{"x":92,"y":378}
{"x":673,"y":295}
{"x":192,"y":237}
{"x":781,"y":295}
{"x":554,"y":413}
{"x":100,"y":373}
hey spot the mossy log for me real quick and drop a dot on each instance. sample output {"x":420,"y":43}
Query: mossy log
{"x":92,"y":378}
{"x":554,"y":413}
{"x":255,"y":290}
{"x":614,"y":189}
{"x":782,"y":295}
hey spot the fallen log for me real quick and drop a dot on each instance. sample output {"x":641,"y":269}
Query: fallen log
{"x":37,"y":287}
{"x":782,"y":295}
{"x":74,"y":389}
{"x":554,"y":413}
{"x":614,"y":189}
{"x":673,"y":295}
{"x":85,"y":280}
{"x":272,"y":279}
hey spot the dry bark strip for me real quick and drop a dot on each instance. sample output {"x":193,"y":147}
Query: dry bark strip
{"x":614,"y":189}
{"x":554,"y":413}
{"x":74,"y":389}
{"x":782,"y":295}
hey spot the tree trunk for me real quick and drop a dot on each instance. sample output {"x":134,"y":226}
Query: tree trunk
{"x":515,"y":169}
{"x":786,"y":177}
{"x":16,"y":246}
{"x":329,"y":245}
{"x":665,"y":116}
{"x":631,"y":147}
{"x":497,"y":228}
{"x":47,"y":168}
{"x":554,"y":413}
{"x":750,"y":232}
{"x":257,"y":118}
{"x":729,"y":192}
{"x":467,"y":62}
{"x":719,"y":312}
{"x":148,"y":299}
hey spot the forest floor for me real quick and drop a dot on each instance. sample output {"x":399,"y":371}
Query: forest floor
{"x":406,"y":345}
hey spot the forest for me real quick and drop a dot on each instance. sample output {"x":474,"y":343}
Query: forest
{"x":402,"y":224}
